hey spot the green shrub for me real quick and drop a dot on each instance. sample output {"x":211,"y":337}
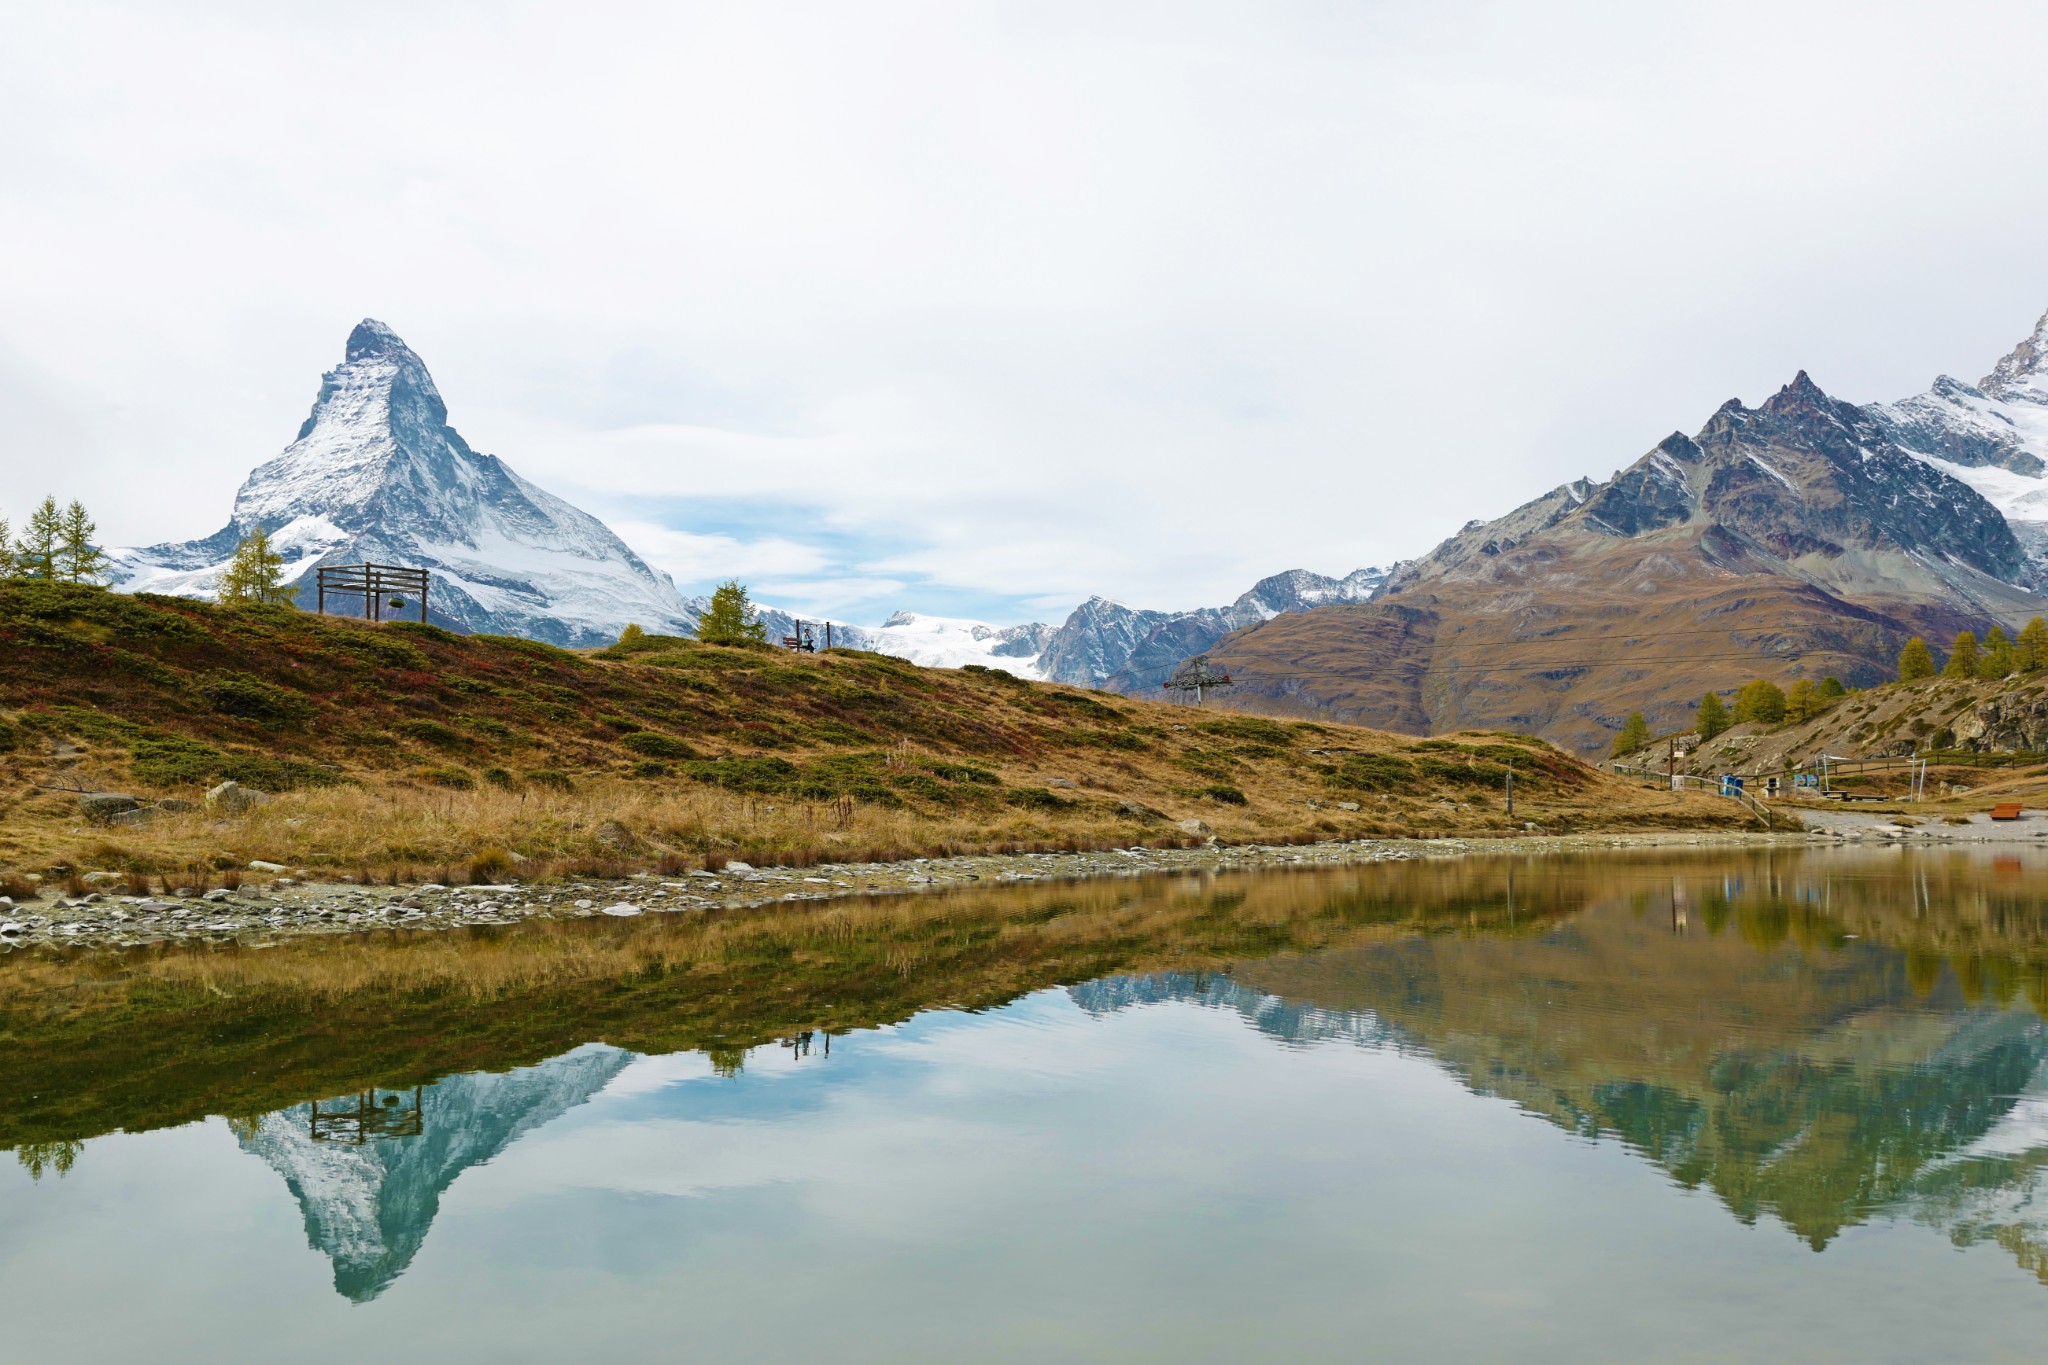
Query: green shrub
{"x":1227,"y":794}
{"x":173,"y":761}
{"x":1036,"y":798}
{"x":644,"y":643}
{"x":1253,"y":729}
{"x":434,"y":733}
{"x":1105,"y":739}
{"x":532,"y":649}
{"x":238,"y":694}
{"x":446,"y":777}
{"x":963,"y":772}
{"x":10,"y":735}
{"x":422,"y":631}
{"x":554,"y":779}
{"x":376,"y":647}
{"x":652,"y":744}
{"x":499,"y":777}
{"x":1373,"y":773}
{"x":648,"y":767}
{"x":625,"y":725}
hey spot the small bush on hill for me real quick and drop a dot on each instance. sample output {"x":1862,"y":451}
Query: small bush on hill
{"x":421,"y":630}
{"x":651,"y":744}
{"x":1253,"y":729}
{"x":1373,"y":773}
{"x":238,"y":694}
{"x":434,"y":733}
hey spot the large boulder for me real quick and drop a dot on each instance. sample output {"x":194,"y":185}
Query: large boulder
{"x":232,"y":798}
{"x":107,"y":805}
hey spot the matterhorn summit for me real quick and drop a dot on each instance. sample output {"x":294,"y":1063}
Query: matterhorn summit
{"x":376,"y":474}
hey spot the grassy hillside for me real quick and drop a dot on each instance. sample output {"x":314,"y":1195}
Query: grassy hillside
{"x":403,"y":748}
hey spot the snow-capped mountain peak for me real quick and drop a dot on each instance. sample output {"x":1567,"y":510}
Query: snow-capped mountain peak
{"x":377,"y":474}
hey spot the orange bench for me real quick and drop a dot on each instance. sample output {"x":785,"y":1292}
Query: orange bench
{"x":2006,"y":810}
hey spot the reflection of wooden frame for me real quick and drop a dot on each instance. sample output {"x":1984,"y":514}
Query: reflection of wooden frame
{"x":372,"y":583}
{"x":368,"y":1115}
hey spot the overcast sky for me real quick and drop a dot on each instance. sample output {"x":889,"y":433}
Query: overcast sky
{"x":985,"y":308}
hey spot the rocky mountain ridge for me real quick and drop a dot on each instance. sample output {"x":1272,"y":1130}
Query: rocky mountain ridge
{"x":1802,"y":537}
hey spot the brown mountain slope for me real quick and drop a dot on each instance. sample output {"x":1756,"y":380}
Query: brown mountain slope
{"x":1791,"y":540}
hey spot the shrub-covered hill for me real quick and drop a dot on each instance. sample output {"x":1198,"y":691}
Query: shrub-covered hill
{"x":402,"y":742}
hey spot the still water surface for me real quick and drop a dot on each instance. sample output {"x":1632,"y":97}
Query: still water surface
{"x":1721,"y":1107}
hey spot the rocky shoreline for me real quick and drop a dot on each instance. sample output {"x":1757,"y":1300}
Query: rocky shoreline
{"x":264,"y":911}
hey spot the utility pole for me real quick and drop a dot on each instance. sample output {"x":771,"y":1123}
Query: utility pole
{"x":1671,"y":761}
{"x":1511,"y":791}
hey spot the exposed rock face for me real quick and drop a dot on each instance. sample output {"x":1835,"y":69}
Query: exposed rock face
{"x":2012,"y":723}
{"x":377,"y":474}
{"x":1804,"y":537}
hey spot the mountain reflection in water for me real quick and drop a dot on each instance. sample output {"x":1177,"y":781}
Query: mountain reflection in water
{"x":369,"y":1198}
{"x":1814,"y":1039}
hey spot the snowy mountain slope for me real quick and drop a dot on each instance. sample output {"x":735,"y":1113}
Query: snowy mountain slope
{"x":1992,"y":436}
{"x":948,"y":642}
{"x":376,"y":473}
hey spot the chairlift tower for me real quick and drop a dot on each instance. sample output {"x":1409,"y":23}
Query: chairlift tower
{"x":1194,"y":678}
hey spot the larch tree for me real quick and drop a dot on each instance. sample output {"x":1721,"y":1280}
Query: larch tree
{"x":1916,"y":661}
{"x":2032,"y":650}
{"x":2000,"y":657}
{"x":1713,"y":716}
{"x":1963,"y":657}
{"x":1633,"y":736}
{"x":1803,"y":702}
{"x":731,"y":619}
{"x":78,"y":559}
{"x":1831,"y":690}
{"x":255,"y":576}
{"x":35,"y":555}
{"x":1760,"y":700}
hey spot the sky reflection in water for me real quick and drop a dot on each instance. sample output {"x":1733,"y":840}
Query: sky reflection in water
{"x":1708,"y":1108}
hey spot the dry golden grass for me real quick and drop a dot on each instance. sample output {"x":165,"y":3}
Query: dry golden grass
{"x":611,"y":827}
{"x":407,"y":751}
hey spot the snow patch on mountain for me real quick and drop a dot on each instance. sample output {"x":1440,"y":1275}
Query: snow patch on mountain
{"x":950,"y":642}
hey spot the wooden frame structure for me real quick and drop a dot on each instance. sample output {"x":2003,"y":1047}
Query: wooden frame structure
{"x":805,"y":641}
{"x":367,"y":1116}
{"x":374,"y":583}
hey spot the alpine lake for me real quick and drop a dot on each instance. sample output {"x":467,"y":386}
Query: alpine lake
{"x":1767,"y":1103}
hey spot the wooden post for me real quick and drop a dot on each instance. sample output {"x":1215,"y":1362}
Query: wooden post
{"x":1511,"y":789}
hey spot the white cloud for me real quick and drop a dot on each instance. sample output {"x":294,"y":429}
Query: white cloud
{"x":1049,"y":299}
{"x":691,"y":558}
